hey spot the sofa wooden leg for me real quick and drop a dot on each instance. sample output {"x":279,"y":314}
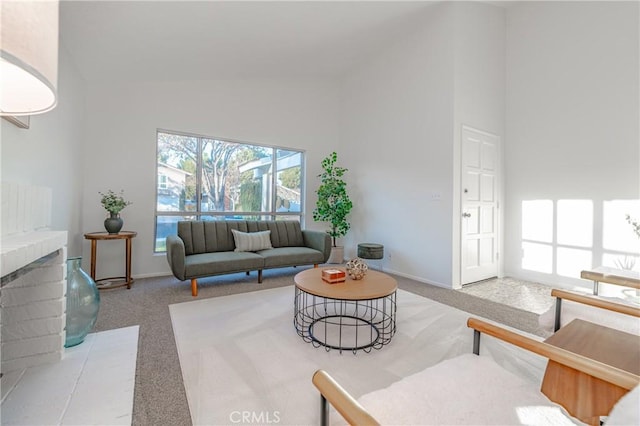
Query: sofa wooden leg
{"x":194,"y":287}
{"x":259,"y":276}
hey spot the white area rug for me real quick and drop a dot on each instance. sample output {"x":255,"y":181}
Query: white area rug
{"x":243,"y":362}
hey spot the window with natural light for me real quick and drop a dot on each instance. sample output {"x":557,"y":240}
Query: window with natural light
{"x":562,"y":237}
{"x":621,"y":246}
{"x":203,"y":178}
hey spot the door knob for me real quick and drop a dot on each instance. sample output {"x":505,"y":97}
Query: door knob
{"x":466,"y":214}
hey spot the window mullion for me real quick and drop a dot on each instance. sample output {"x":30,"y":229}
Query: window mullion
{"x":274,"y":186}
{"x":199,"y":170}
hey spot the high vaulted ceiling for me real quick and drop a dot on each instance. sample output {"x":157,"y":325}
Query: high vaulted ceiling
{"x":184,"y":40}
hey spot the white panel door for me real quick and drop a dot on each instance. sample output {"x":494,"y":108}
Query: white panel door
{"x":479,"y":248}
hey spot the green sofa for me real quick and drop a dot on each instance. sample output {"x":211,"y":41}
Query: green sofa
{"x":207,"y":248}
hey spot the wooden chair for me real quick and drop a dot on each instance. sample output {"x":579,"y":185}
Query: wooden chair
{"x":604,"y":274}
{"x":597,"y":302}
{"x":332,"y":394}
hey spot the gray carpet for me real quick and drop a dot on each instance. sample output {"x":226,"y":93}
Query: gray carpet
{"x":160,"y":397}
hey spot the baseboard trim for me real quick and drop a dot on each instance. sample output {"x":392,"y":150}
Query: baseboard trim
{"x":415,"y":278}
{"x":153,"y":275}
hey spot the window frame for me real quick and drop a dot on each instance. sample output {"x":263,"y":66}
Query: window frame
{"x":271,"y":214}
{"x":162,"y":183}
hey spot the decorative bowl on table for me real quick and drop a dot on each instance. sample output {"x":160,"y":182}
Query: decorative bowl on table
{"x":357,"y":268}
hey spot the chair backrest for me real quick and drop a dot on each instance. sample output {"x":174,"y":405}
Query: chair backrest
{"x":214,"y":236}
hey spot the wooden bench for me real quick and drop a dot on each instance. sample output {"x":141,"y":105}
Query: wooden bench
{"x":604,"y":274}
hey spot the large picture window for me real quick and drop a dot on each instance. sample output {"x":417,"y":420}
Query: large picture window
{"x":203,"y":178}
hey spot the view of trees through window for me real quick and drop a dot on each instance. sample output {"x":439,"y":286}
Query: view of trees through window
{"x":200,"y":178}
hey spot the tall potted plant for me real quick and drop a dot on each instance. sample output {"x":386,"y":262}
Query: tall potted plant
{"x":333,"y":204}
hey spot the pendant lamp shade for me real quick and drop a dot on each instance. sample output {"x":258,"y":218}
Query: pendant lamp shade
{"x":28,"y":56}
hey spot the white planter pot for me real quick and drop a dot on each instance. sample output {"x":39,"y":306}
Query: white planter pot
{"x":337,"y":255}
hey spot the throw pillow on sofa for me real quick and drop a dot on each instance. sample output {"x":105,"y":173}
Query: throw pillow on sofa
{"x":252,"y":241}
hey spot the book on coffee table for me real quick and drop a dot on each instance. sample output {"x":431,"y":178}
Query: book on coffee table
{"x":333,"y":276}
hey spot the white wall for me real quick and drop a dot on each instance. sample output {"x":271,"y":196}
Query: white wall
{"x":121,"y":143}
{"x":50,"y":153}
{"x":572,"y":133}
{"x":396,"y":138}
{"x":403,"y":112}
{"x":479,"y":96}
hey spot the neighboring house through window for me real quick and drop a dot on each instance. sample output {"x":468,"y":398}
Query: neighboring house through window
{"x":204,"y":178}
{"x":162,"y":179}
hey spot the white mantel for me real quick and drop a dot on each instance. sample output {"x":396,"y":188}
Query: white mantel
{"x":18,"y":251}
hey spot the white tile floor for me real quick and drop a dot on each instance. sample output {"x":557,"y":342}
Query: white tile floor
{"x":92,"y":385}
{"x":535,"y":297}
{"x":525,"y":295}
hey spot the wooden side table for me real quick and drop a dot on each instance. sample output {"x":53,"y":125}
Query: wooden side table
{"x":586,"y":397}
{"x":111,"y":282}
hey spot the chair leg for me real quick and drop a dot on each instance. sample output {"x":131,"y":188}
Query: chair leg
{"x":247,"y":272}
{"x":324,"y":411}
{"x":259,"y":276}
{"x":194,"y":287}
{"x":315,"y":265}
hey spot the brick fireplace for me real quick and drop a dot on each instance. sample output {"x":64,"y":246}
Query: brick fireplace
{"x":33,"y":283}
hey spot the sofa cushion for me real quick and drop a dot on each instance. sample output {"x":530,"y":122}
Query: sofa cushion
{"x":491,"y":395}
{"x":626,"y":411}
{"x":207,"y":236}
{"x":252,"y":241}
{"x":284,"y":233}
{"x":290,"y":256}
{"x":216,"y":235}
{"x":204,"y":264}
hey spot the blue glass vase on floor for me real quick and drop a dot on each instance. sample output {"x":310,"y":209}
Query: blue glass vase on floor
{"x":83,"y":303}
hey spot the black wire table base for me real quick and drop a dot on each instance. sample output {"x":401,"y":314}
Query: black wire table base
{"x":349,"y":325}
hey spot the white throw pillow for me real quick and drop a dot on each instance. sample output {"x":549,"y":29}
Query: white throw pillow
{"x":252,"y":241}
{"x":627,"y":410}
